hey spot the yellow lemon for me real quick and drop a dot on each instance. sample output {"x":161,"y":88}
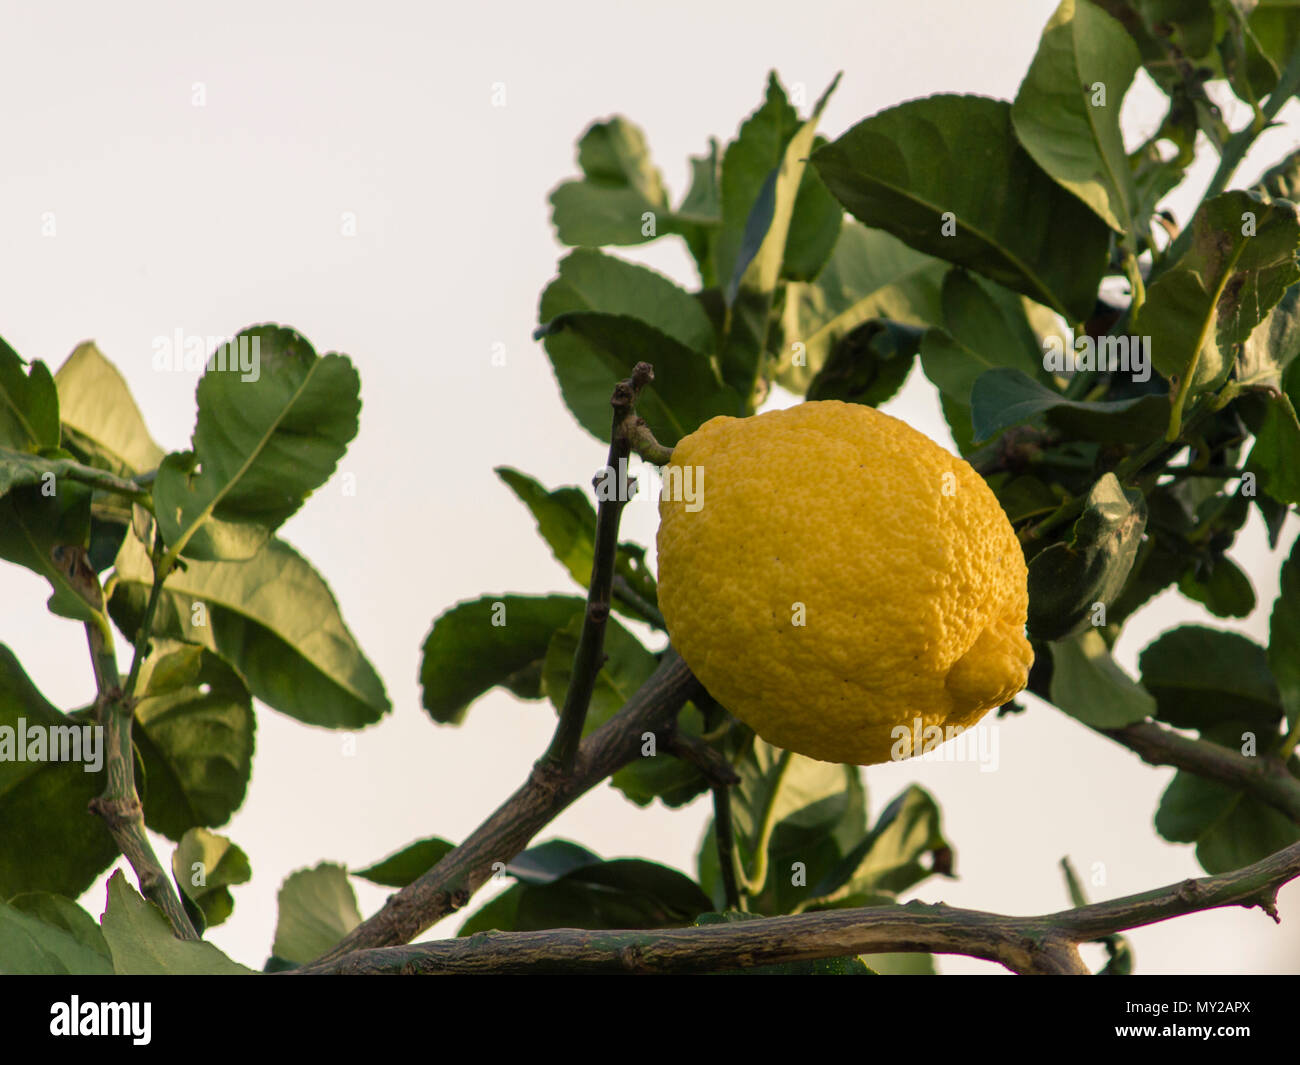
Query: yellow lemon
{"x":840,"y":582}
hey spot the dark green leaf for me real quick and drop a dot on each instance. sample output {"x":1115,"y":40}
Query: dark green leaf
{"x":1001,"y":398}
{"x":274,"y":420}
{"x":591,"y":352}
{"x":1205,"y":677}
{"x":47,"y":534}
{"x":984,"y":328}
{"x":196,"y":744}
{"x":476,"y":645}
{"x":869,"y":364}
{"x":292,"y":650}
{"x":29,"y":404}
{"x":51,"y":841}
{"x":1068,"y":580}
{"x":408,"y":864}
{"x":1072,"y":132}
{"x":912,"y":168}
{"x":589,"y":280}
{"x":620,"y":186}
{"x":1284,"y":636}
{"x":567,"y":522}
{"x":894,"y":856}
{"x":1222,"y":586}
{"x":814,"y":226}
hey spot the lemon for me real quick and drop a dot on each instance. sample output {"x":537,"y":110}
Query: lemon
{"x":839,"y":582}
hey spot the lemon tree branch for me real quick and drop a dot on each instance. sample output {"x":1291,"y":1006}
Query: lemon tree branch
{"x":1046,"y":944}
{"x":1264,"y":776}
{"x":452,"y":881}
{"x":119,"y":804}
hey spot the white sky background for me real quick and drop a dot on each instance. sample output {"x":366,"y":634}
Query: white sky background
{"x":206,"y":220}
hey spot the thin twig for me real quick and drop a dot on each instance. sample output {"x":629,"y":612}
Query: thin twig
{"x":725,"y":840}
{"x":611,"y":499}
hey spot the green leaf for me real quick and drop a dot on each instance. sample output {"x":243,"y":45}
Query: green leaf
{"x":42,"y":934}
{"x":547,"y":862}
{"x":29,"y":404}
{"x":480,"y":643}
{"x":100,"y":418}
{"x":565,"y":518}
{"x":1247,"y":832}
{"x":1204,"y":677}
{"x":142,"y":944}
{"x":1284,"y":636}
{"x":1089,"y":686}
{"x":984,"y":328}
{"x":317,"y":908}
{"x":1068,"y":580}
{"x":889,"y":859}
{"x":51,"y":840}
{"x":1001,"y":398}
{"x":196,"y":745}
{"x":499,"y":914}
{"x":591,"y":352}
{"x":761,"y":255}
{"x":1222,"y":586}
{"x":619,"y":186}
{"x":1277,"y":443}
{"x":408,"y":864}
{"x":47,"y":534}
{"x":205,"y":866}
{"x":587,"y":892}
{"x":266,"y":438}
{"x":699,"y":217}
{"x":1221,"y":287}
{"x":906,"y":168}
{"x":1190,"y":805}
{"x":291,"y":648}
{"x":870,"y":275}
{"x":818,"y":811}
{"x":567,"y":522}
{"x":815,"y":226}
{"x":869,"y":364}
{"x":1074,"y":139}
{"x":749,"y":168}
{"x":589,"y":280}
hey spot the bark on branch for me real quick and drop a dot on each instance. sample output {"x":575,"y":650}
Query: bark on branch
{"x":1026,"y":945}
{"x":449,"y":884}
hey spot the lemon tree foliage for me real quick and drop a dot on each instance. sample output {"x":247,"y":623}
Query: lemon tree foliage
{"x":1121,"y":387}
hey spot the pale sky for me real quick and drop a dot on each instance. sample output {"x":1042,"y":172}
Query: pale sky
{"x":208,"y":219}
